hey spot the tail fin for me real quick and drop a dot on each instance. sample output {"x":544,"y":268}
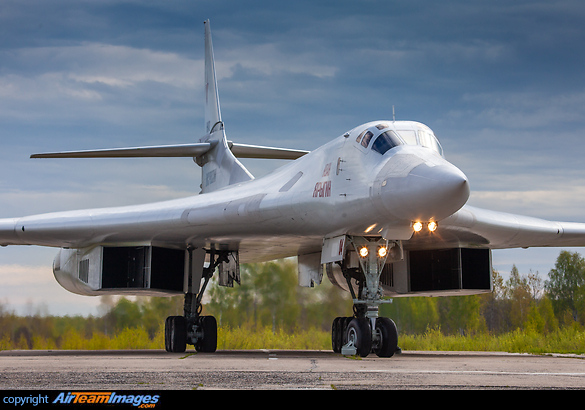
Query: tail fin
{"x":212,"y":110}
{"x":220,"y":167}
{"x":214,"y":153}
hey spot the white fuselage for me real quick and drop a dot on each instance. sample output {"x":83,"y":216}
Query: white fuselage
{"x":342,"y":187}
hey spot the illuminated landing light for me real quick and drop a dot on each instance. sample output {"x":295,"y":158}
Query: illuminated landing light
{"x":382,"y":252}
{"x":364,"y":252}
{"x":417,"y":226}
{"x":432,"y":226}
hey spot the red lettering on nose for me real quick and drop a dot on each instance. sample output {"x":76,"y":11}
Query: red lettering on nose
{"x":316,"y":191}
{"x":322,"y":189}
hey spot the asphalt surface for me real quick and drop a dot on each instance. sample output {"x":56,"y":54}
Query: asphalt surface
{"x":280,"y":369}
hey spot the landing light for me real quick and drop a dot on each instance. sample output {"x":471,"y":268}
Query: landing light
{"x":417,"y":226}
{"x":364,"y":252}
{"x":382,"y":252}
{"x":431,"y":226}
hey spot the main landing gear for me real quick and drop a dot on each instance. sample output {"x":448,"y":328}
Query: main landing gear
{"x":192,"y":328}
{"x":365,"y":332}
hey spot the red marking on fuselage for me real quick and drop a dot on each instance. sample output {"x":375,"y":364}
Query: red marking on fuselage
{"x":322,"y":189}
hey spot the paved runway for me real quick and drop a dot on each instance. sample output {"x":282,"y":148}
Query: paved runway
{"x":278,"y":369}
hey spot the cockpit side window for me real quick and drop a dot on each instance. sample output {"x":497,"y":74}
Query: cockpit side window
{"x":386,"y":141}
{"x":366,"y":139}
{"x":428,"y":140}
{"x":437,"y":145}
{"x":425,"y":139}
{"x":359,"y":138}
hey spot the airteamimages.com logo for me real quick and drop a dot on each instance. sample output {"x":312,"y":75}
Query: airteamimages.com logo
{"x":142,"y":401}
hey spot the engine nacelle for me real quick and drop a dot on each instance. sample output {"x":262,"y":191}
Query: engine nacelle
{"x":135,"y":270}
{"x":444,"y":272}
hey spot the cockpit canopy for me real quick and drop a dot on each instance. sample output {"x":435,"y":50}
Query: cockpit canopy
{"x":386,"y":136}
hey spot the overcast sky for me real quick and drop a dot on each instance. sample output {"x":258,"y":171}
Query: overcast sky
{"x":501,"y":83}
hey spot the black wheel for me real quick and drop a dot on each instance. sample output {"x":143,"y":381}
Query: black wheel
{"x":208,"y":342}
{"x":388,"y":337}
{"x":359,"y":334}
{"x":175,"y":334}
{"x":337,"y":334}
{"x":344,"y":323}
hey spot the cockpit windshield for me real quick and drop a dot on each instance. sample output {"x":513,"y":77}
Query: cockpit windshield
{"x":386,"y":141}
{"x":423,"y":137}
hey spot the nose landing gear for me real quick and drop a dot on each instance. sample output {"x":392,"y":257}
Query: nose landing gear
{"x":365,"y":332}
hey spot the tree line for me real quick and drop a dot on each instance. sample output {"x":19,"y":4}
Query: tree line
{"x":269,"y":299}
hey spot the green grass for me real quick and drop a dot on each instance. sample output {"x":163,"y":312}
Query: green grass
{"x":565,"y":340}
{"x":263,"y":338}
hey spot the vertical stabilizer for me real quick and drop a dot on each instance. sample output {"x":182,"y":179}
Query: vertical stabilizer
{"x":220,"y":167}
{"x":212,"y":111}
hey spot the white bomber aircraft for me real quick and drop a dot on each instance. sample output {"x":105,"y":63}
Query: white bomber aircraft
{"x":378,"y":208}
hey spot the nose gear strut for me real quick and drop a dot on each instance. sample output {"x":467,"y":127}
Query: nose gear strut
{"x":366,"y":332}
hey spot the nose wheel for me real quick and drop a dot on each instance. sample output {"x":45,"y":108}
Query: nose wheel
{"x":359,"y":336}
{"x":386,"y":336}
{"x":354,"y":336}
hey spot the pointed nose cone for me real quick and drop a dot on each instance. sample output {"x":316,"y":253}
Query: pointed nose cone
{"x":427,"y":192}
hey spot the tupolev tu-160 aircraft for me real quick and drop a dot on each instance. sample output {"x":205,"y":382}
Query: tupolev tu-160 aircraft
{"x":378,"y":209}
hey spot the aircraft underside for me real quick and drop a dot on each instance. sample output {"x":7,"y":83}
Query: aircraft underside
{"x":369,"y":267}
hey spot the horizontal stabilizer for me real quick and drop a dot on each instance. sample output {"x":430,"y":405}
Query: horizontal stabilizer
{"x":258,"y":151}
{"x":181,"y":150}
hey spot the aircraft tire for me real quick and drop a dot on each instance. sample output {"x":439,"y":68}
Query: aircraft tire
{"x":360,"y":334}
{"x":388,"y":334}
{"x":175,"y":334}
{"x":344,"y":323}
{"x":207,"y":343}
{"x":337,"y":334}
